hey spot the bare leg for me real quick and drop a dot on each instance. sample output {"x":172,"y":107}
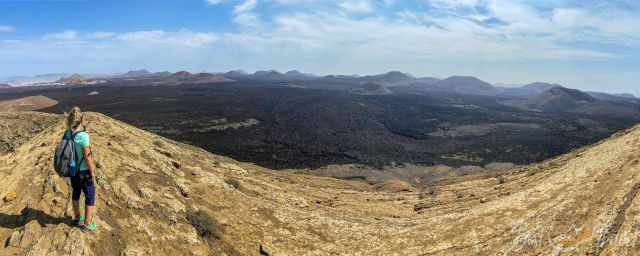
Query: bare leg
{"x":88,"y":214}
{"x":76,"y":209}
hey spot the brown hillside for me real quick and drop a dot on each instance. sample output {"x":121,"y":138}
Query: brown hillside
{"x":159,"y":197}
{"x":27,"y":103}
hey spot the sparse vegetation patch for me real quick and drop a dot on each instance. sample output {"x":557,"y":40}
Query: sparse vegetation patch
{"x":235,"y":183}
{"x":206,"y":225}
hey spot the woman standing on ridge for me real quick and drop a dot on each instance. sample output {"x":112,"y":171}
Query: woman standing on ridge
{"x":84,"y":180}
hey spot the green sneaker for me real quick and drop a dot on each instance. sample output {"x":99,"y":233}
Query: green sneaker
{"x":79,"y":221}
{"x":88,"y":227}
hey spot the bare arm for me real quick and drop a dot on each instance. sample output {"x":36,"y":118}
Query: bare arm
{"x":86,"y":151}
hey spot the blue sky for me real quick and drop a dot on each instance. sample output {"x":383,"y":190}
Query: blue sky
{"x":588,"y":44}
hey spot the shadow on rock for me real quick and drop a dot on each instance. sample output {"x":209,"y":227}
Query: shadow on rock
{"x":28,"y":214}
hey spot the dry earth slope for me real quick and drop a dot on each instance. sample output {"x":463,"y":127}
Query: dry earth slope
{"x":27,"y":103}
{"x":159,"y":197}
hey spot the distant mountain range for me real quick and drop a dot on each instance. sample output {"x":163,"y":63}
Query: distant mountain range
{"x":30,"y":80}
{"x":528,"y":89}
{"x":536,"y":97}
{"x":184,"y":76}
{"x":454,"y":84}
{"x":615,"y":97}
{"x":390,"y":82}
{"x":73,"y":79}
{"x":137,"y":73}
{"x":559,"y":99}
{"x":555,"y":99}
{"x":165,"y":78}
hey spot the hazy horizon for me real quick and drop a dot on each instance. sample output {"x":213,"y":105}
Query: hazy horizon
{"x":588,"y":45}
{"x":494,"y":83}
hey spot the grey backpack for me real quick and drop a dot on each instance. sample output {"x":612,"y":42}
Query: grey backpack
{"x":64,"y":161}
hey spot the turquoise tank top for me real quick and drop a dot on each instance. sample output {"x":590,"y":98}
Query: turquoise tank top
{"x":82,"y":140}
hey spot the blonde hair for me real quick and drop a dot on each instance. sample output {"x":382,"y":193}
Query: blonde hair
{"x":74,"y":118}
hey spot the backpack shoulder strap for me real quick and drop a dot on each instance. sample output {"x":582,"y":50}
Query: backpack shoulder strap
{"x":67,"y":135}
{"x":74,"y":134}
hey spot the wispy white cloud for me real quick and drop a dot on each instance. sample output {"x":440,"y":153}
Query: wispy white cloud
{"x":245,"y":6}
{"x":286,"y":2}
{"x":524,"y":33}
{"x":389,"y":2}
{"x":453,"y":3}
{"x":7,"y":28}
{"x":214,"y":2}
{"x":503,"y":30}
{"x":248,"y":19}
{"x":159,"y":37}
{"x":64,"y":35}
{"x":363,"y":6}
{"x":11,"y":41}
{"x":147,"y":38}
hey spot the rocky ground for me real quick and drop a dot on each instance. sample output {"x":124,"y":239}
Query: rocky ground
{"x":17,"y":128}
{"x":160,"y":197}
